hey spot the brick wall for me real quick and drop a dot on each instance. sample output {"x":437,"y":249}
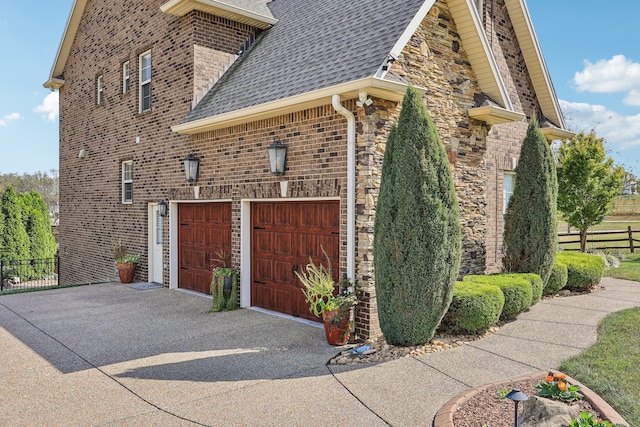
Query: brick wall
{"x":91,"y":212}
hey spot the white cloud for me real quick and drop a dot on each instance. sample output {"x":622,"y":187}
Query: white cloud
{"x":621,"y":132}
{"x":617,"y":74}
{"x":8,"y":118}
{"x":633,"y":98}
{"x":49,"y":106}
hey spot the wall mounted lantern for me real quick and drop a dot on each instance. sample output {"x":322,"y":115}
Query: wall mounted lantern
{"x":191,"y":163}
{"x":277,"y":157}
{"x":163,"y":208}
{"x":517,"y":396}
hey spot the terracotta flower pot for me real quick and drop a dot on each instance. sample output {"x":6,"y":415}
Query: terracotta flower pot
{"x":126,"y":272}
{"x":336,"y":326}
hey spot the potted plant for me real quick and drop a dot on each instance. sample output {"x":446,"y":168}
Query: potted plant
{"x":224,"y":284}
{"x":328,"y":300}
{"x":125,"y":262}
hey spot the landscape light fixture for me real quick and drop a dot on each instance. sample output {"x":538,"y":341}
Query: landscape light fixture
{"x":517,"y":396}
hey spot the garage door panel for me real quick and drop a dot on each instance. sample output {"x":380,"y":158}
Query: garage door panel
{"x":204,"y":230}
{"x":263,"y":240}
{"x":288,"y":233}
{"x":282,"y":244}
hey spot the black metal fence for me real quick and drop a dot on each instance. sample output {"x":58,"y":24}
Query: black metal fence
{"x":29,"y":274}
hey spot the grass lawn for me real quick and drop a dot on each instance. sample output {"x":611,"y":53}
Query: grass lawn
{"x":611,"y":367}
{"x":629,"y":269}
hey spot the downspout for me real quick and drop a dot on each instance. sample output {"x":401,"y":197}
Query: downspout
{"x":351,"y":184}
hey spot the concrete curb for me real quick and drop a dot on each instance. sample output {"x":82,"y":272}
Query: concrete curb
{"x":444,"y":416}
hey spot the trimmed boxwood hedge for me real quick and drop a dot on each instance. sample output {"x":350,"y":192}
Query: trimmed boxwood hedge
{"x":583,"y":270}
{"x":475,"y":307}
{"x":536,"y":284}
{"x":517,"y":291}
{"x":558,"y":278}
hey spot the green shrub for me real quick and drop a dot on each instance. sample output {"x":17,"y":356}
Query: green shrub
{"x":536,"y":284}
{"x":583,"y":270}
{"x":517,"y":291}
{"x":475,"y":308}
{"x":557,"y":280}
{"x":417,"y":233}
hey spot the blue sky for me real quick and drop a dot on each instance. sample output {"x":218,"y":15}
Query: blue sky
{"x":591,"y":52}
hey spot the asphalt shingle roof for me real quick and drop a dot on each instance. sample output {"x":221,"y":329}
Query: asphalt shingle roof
{"x":315,"y":44}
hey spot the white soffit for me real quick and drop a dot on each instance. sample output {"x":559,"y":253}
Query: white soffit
{"x":218,"y":8}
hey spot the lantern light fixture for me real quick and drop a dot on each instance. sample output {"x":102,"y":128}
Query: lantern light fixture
{"x":163,"y":208}
{"x":191,"y":165}
{"x":277,"y":157}
{"x":516,"y":396}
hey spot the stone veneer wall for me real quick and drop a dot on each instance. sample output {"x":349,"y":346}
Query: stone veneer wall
{"x":434,"y":59}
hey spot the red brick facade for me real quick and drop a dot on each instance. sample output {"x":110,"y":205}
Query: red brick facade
{"x":234,"y":164}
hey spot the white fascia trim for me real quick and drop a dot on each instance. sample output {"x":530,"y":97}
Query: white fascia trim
{"x":490,"y":56}
{"x":70,"y":31}
{"x":552,"y":133}
{"x":542,"y":62}
{"x":493,"y":115}
{"x":384,"y":89}
{"x":171,"y":5}
{"x":396,"y":50}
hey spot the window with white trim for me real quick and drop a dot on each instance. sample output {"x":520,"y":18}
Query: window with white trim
{"x":99,"y":89}
{"x":126,"y":73}
{"x":145,"y":82}
{"x":127,"y":182}
{"x":508,"y":183}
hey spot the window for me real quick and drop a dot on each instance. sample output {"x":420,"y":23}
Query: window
{"x":508,"y":183}
{"x":145,"y":82}
{"x":127,"y":182}
{"x":99,"y":89}
{"x":125,"y":77}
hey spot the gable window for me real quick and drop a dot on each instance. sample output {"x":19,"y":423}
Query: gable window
{"x":508,"y":182}
{"x":145,"y":82}
{"x":99,"y":89}
{"x":126,"y":72}
{"x":127,"y":182}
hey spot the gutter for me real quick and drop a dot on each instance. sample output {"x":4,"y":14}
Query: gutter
{"x":351,"y":187}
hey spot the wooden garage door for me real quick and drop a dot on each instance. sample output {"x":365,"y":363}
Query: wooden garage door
{"x":284,"y":236}
{"x":204,"y":229}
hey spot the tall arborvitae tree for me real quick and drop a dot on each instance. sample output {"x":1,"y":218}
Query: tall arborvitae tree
{"x":42,"y":244}
{"x":14,"y":242}
{"x":530,"y":223}
{"x":417,"y":238}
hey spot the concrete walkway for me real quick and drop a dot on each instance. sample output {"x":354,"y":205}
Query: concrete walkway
{"x":112,"y":355}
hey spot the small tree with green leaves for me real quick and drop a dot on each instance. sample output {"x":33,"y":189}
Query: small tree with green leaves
{"x":417,"y":235}
{"x":530,"y":223}
{"x":588,"y":182}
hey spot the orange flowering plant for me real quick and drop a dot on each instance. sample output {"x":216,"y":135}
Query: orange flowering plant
{"x":556,"y":386}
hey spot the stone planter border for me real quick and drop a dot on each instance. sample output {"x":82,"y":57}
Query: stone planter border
{"x":444,"y":417}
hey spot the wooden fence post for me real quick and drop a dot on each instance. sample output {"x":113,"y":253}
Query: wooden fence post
{"x":630,"y":239}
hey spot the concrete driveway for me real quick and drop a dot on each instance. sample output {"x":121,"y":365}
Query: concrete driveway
{"x":112,"y":355}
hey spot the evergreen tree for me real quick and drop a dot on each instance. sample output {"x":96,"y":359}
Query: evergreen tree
{"x":14,"y":241}
{"x":417,"y":235}
{"x":42,"y":245}
{"x":531,"y":229}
